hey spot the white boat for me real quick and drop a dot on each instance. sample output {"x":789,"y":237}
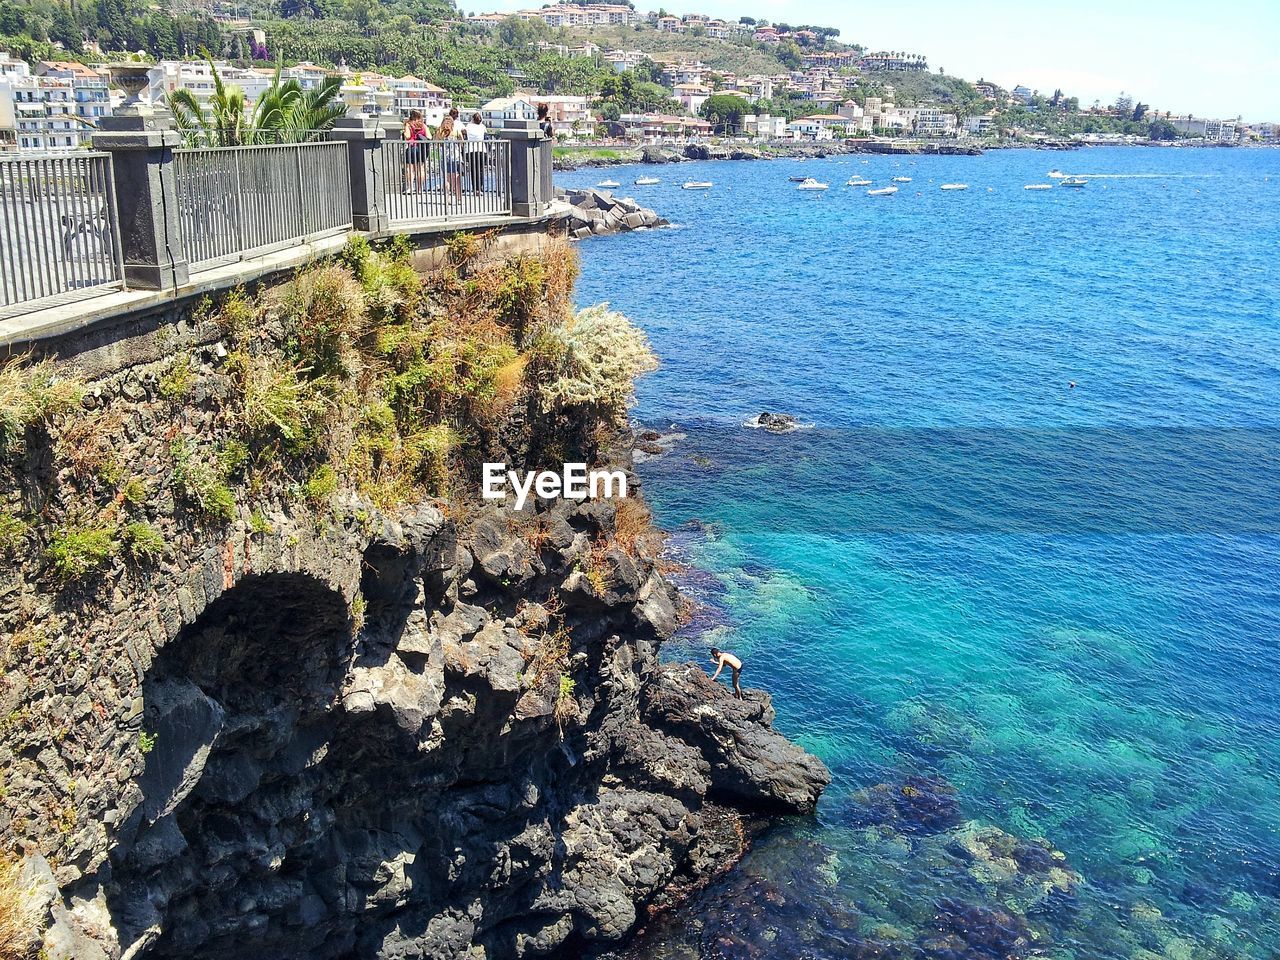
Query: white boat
{"x":1038,"y":186}
{"x":858,"y":182}
{"x":955,"y":186}
{"x":808,"y":183}
{"x":697,"y":185}
{"x":1073,"y":182}
{"x":1057,"y":174}
{"x":646,"y":181}
{"x":608,"y":184}
{"x":901,"y":179}
{"x":882,"y":192}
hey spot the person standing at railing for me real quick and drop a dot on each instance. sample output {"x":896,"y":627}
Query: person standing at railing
{"x":415,"y":154}
{"x":451,"y":147}
{"x":475,"y":133}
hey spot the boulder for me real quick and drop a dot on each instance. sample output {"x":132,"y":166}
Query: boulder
{"x":776,"y":422}
{"x":751,"y":764}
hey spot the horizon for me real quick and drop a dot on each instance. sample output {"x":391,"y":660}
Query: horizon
{"x":1144,"y":49}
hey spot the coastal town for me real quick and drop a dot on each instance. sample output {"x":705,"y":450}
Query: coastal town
{"x":607,"y":73}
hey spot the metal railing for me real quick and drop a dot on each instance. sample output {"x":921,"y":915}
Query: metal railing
{"x":58,"y":228}
{"x":445,"y":180}
{"x":234,"y":201}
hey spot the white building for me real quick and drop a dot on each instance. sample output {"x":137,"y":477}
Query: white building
{"x":691,"y":95}
{"x":1219,"y":131}
{"x":501,"y":109}
{"x":930,"y":121}
{"x":809,"y":128}
{"x":623,"y":60}
{"x":979,"y":126}
{"x":585,"y":16}
{"x":57,"y":109}
{"x":197,"y":77}
{"x":765,"y":126}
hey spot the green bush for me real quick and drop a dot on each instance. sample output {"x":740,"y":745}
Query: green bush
{"x":594,"y":360}
{"x":142,"y":541}
{"x":199,"y":484}
{"x":177,"y":381}
{"x":321,"y":486}
{"x":77,"y":552}
{"x":31,"y":394}
{"x":277,"y":400}
{"x":13,"y":532}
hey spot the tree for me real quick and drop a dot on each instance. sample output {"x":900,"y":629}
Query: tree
{"x":284,"y":113}
{"x":1124,"y":105}
{"x":725,"y":108}
{"x":1162,"y":130}
{"x":1140,"y":111}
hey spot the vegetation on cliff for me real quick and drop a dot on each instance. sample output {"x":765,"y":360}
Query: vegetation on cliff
{"x":360,"y":375}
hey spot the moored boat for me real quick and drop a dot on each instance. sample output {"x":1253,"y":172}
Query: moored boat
{"x":882,"y":192}
{"x":646,"y":181}
{"x":858,"y":182}
{"x":955,"y":186}
{"x":808,"y":183}
{"x":608,"y":184}
{"x":1038,"y":186}
{"x":697,"y":185}
{"x":901,"y":179}
{"x":1073,"y":182}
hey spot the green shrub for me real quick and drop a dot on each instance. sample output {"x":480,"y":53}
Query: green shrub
{"x":134,"y":492}
{"x":199,"y":484}
{"x":233,"y":456}
{"x":259,"y":524}
{"x":321,"y":486}
{"x":177,"y":381}
{"x":142,"y":541}
{"x":13,"y":532}
{"x":32,"y":394}
{"x":326,"y":306}
{"x":277,"y":400}
{"x":77,"y":552}
{"x":594,"y":360}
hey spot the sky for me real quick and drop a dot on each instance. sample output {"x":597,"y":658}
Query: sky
{"x":1187,"y":56}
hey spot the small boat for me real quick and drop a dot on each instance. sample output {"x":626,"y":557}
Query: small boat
{"x":1038,"y":186}
{"x":799,"y":179}
{"x":1073,"y":182}
{"x":858,"y":182}
{"x":609,"y":184}
{"x":901,"y":179}
{"x":808,"y":183}
{"x":882,"y":192}
{"x":955,"y":186}
{"x":1057,"y":174}
{"x":646,"y":181}
{"x":697,"y":185}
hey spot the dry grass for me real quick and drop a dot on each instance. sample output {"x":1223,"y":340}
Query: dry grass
{"x":19,"y":921}
{"x":634,"y":531}
{"x":88,"y":447}
{"x":33,"y":393}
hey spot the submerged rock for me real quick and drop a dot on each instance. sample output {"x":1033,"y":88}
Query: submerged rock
{"x":920,"y":805}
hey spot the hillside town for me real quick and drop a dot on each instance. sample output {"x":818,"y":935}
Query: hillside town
{"x":823,"y":90}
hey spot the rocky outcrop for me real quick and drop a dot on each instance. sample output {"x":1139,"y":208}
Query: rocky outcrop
{"x":588,"y":213}
{"x":358,"y":733}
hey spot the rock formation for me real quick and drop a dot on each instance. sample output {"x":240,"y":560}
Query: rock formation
{"x":597,"y":212}
{"x":346,"y":731}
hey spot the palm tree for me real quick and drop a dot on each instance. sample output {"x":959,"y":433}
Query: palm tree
{"x":284,"y":113}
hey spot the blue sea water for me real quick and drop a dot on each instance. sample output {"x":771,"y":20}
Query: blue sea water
{"x":1061,"y":602}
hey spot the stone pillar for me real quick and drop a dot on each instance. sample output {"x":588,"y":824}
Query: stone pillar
{"x":141,"y":145}
{"x":530,"y":167}
{"x":364,"y":136}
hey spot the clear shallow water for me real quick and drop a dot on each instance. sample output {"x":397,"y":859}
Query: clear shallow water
{"x":1063,"y":603}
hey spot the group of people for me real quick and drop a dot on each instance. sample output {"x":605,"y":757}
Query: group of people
{"x":468,"y":158}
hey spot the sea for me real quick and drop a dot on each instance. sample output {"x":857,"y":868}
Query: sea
{"x":1015,"y":576}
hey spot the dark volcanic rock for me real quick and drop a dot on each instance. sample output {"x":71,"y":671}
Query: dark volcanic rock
{"x":777,"y":422}
{"x":750,"y":762}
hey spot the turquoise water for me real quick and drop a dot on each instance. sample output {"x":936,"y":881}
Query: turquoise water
{"x":1056,"y":607}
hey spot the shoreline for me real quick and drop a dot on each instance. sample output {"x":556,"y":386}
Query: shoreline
{"x":656,"y":155}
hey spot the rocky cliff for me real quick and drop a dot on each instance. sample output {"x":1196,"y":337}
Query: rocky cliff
{"x":259,"y":705}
